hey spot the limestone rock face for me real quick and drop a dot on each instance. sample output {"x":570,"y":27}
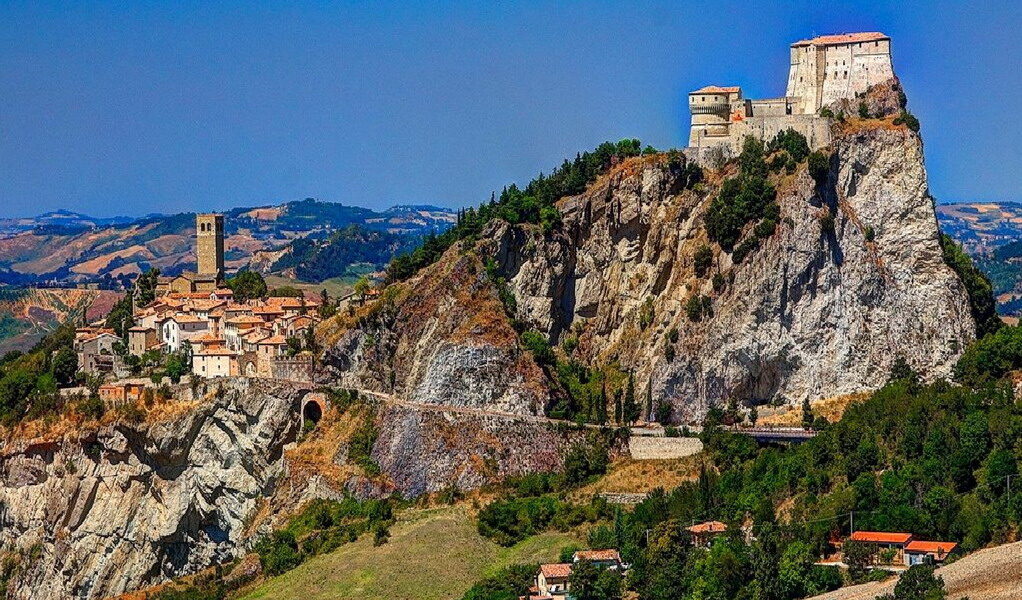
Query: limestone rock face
{"x":809,"y":314}
{"x":440,"y":339}
{"x":122,"y":507}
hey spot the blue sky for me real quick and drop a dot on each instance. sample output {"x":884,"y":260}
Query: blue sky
{"x":146,"y":107}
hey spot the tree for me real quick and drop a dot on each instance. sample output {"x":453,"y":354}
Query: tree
{"x":807,"y":414}
{"x":702,"y":260}
{"x":247,"y":285}
{"x":145,"y":287}
{"x":631,"y":411}
{"x":362,"y":287}
{"x":918,"y":583}
{"x":589,"y":582}
{"x":65,"y":365}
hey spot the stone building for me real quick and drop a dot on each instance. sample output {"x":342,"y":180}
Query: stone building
{"x":209,"y":262}
{"x":829,"y":68}
{"x":209,"y":244}
{"x":823,"y":70}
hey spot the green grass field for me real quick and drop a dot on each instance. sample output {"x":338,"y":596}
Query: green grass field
{"x":432,"y":555}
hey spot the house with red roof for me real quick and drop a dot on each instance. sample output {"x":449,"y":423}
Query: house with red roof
{"x":703,"y":534}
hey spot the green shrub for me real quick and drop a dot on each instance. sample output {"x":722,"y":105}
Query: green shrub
{"x":826,"y":112}
{"x":646,"y":313}
{"x":863,"y":111}
{"x":718,"y":282}
{"x":278,"y":552}
{"x":536,"y":343}
{"x":698,"y":307}
{"x":908,"y":120}
{"x":765,"y":228}
{"x":791,"y":142}
{"x":819,"y":167}
{"x":703,"y":259}
{"x":741,"y":199}
{"x":977,"y":286}
{"x":870,"y":233}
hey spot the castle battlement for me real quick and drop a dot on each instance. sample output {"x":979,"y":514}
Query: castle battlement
{"x":823,"y":70}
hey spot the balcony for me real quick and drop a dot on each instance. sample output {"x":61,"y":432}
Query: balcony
{"x":721,"y":109}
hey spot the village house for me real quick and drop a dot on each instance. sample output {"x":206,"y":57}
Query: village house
{"x":215,"y":362}
{"x":703,"y":534}
{"x":180,"y":328}
{"x":919,"y":552}
{"x":95,"y":349}
{"x":896,"y":548}
{"x":552,"y":581}
{"x":116,"y":394}
{"x":606,"y":559}
{"x":141,"y":339}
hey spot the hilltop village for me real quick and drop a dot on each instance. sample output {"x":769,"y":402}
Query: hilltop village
{"x":661,"y":374}
{"x":196,"y":314}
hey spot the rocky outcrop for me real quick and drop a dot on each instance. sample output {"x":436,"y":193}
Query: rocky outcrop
{"x":425,"y":451}
{"x":811,"y":313}
{"x":441,"y":338}
{"x":99,"y":513}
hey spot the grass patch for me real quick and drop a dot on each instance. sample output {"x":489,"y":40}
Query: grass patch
{"x":432,"y":554}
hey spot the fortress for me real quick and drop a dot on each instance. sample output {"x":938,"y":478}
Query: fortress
{"x":824,"y":70}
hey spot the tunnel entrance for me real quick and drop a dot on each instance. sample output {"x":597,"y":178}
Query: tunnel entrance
{"x":313,"y":406}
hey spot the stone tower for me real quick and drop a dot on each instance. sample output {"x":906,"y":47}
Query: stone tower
{"x":834,"y":67}
{"x":209,"y":246}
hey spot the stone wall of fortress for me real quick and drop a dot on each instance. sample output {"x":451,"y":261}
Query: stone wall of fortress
{"x":816,"y":130}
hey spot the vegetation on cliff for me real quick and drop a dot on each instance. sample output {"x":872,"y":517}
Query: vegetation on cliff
{"x":533,"y":204}
{"x":977,"y":285}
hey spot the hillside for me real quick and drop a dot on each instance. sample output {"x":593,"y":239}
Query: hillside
{"x":412,"y":564}
{"x":816,"y":299}
{"x":989,"y":574}
{"x":991,"y":232}
{"x":26,"y":315}
{"x":67,"y":247}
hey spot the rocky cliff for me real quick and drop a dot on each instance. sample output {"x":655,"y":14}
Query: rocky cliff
{"x":813,"y":312}
{"x":99,"y":512}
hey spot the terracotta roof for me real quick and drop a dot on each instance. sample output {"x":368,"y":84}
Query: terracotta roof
{"x":938,"y":548}
{"x":843,"y":38}
{"x":286,"y":301}
{"x":598,"y":555}
{"x":277,"y":340}
{"x":244,"y":319}
{"x":708,"y":527}
{"x":140,"y":328}
{"x":208,"y":337}
{"x":555,"y":570}
{"x":186,"y":319}
{"x":716,"y":89}
{"x":268,"y":310}
{"x":223,"y":292}
{"x":881,"y":537}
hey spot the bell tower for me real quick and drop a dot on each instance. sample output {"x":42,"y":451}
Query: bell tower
{"x":209,"y":244}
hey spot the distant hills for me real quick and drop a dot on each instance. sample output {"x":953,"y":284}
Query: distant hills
{"x":67,"y":248}
{"x":991,"y":232}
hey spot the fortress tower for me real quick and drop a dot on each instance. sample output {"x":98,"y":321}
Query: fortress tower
{"x":209,"y":244}
{"x":823,"y":70}
{"x":832,"y":67}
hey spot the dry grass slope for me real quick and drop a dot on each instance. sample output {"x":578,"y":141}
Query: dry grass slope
{"x":432,"y":554}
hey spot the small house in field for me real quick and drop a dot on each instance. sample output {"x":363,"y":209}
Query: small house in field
{"x":703,"y":534}
{"x":552,"y":581}
{"x":889,"y":543}
{"x":605,"y":559}
{"x":920,"y":552}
